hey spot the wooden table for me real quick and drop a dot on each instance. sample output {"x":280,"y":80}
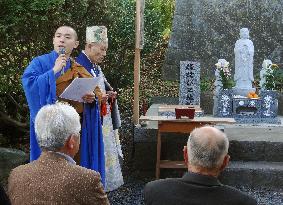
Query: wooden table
{"x":183,"y":125}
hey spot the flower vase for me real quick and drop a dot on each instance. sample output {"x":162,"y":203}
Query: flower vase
{"x":224,"y":104}
{"x":228,"y":84}
{"x":269,"y":103}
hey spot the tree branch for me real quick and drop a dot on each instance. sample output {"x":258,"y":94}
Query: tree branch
{"x":16,"y":103}
{"x":8,"y":121}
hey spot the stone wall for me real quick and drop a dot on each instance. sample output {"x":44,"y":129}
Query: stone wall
{"x":9,"y":159}
{"x":207,"y":30}
{"x":280,"y":104}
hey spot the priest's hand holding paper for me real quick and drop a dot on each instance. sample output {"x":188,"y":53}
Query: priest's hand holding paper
{"x":82,"y":90}
{"x":89,"y":97}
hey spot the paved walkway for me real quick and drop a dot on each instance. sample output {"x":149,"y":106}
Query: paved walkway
{"x":131,"y":193}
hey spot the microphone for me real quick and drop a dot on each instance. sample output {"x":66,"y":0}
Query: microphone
{"x":62,"y":51}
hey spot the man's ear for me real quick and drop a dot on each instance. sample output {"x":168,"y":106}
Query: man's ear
{"x":77,"y":43}
{"x":225,"y":162}
{"x":71,"y":142}
{"x":185,"y":154}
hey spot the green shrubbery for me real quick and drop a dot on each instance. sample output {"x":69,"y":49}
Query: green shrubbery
{"x":27,"y":28}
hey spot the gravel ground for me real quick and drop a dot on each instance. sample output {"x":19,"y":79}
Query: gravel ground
{"x":131,"y":193}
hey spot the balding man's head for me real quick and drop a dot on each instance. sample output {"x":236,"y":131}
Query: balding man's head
{"x":207,"y":147}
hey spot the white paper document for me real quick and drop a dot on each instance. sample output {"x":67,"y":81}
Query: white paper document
{"x":78,"y":88}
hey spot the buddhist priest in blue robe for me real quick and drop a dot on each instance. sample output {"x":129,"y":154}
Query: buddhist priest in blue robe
{"x":94,"y":53}
{"x":45,"y":79}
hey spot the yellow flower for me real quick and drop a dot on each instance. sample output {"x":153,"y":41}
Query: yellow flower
{"x":274,"y":66}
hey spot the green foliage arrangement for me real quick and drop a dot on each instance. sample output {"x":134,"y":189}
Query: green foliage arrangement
{"x":274,"y":78}
{"x":225,"y":75}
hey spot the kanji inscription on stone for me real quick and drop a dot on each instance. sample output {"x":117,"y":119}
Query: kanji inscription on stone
{"x":189,"y":93}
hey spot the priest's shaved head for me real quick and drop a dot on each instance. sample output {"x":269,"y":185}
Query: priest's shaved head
{"x":65,"y":40}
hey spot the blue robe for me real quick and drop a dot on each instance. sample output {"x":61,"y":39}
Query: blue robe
{"x":83,"y":60}
{"x":39,"y":83}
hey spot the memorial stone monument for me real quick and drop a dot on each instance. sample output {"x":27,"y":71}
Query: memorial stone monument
{"x":235,"y":102}
{"x":189,"y":83}
{"x":244,"y":53}
{"x":205,"y":30}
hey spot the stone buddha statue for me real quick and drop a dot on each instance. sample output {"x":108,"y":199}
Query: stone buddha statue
{"x":244,"y":53}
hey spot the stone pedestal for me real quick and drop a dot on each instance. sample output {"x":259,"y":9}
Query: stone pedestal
{"x":246,"y":110}
{"x":269,"y":103}
{"x":224,"y":103}
{"x":243,"y":91}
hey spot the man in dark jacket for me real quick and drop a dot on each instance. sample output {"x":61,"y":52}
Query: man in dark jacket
{"x":206,"y":155}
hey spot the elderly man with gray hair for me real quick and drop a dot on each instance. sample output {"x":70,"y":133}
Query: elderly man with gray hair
{"x":206,"y":155}
{"x":54,"y":178}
